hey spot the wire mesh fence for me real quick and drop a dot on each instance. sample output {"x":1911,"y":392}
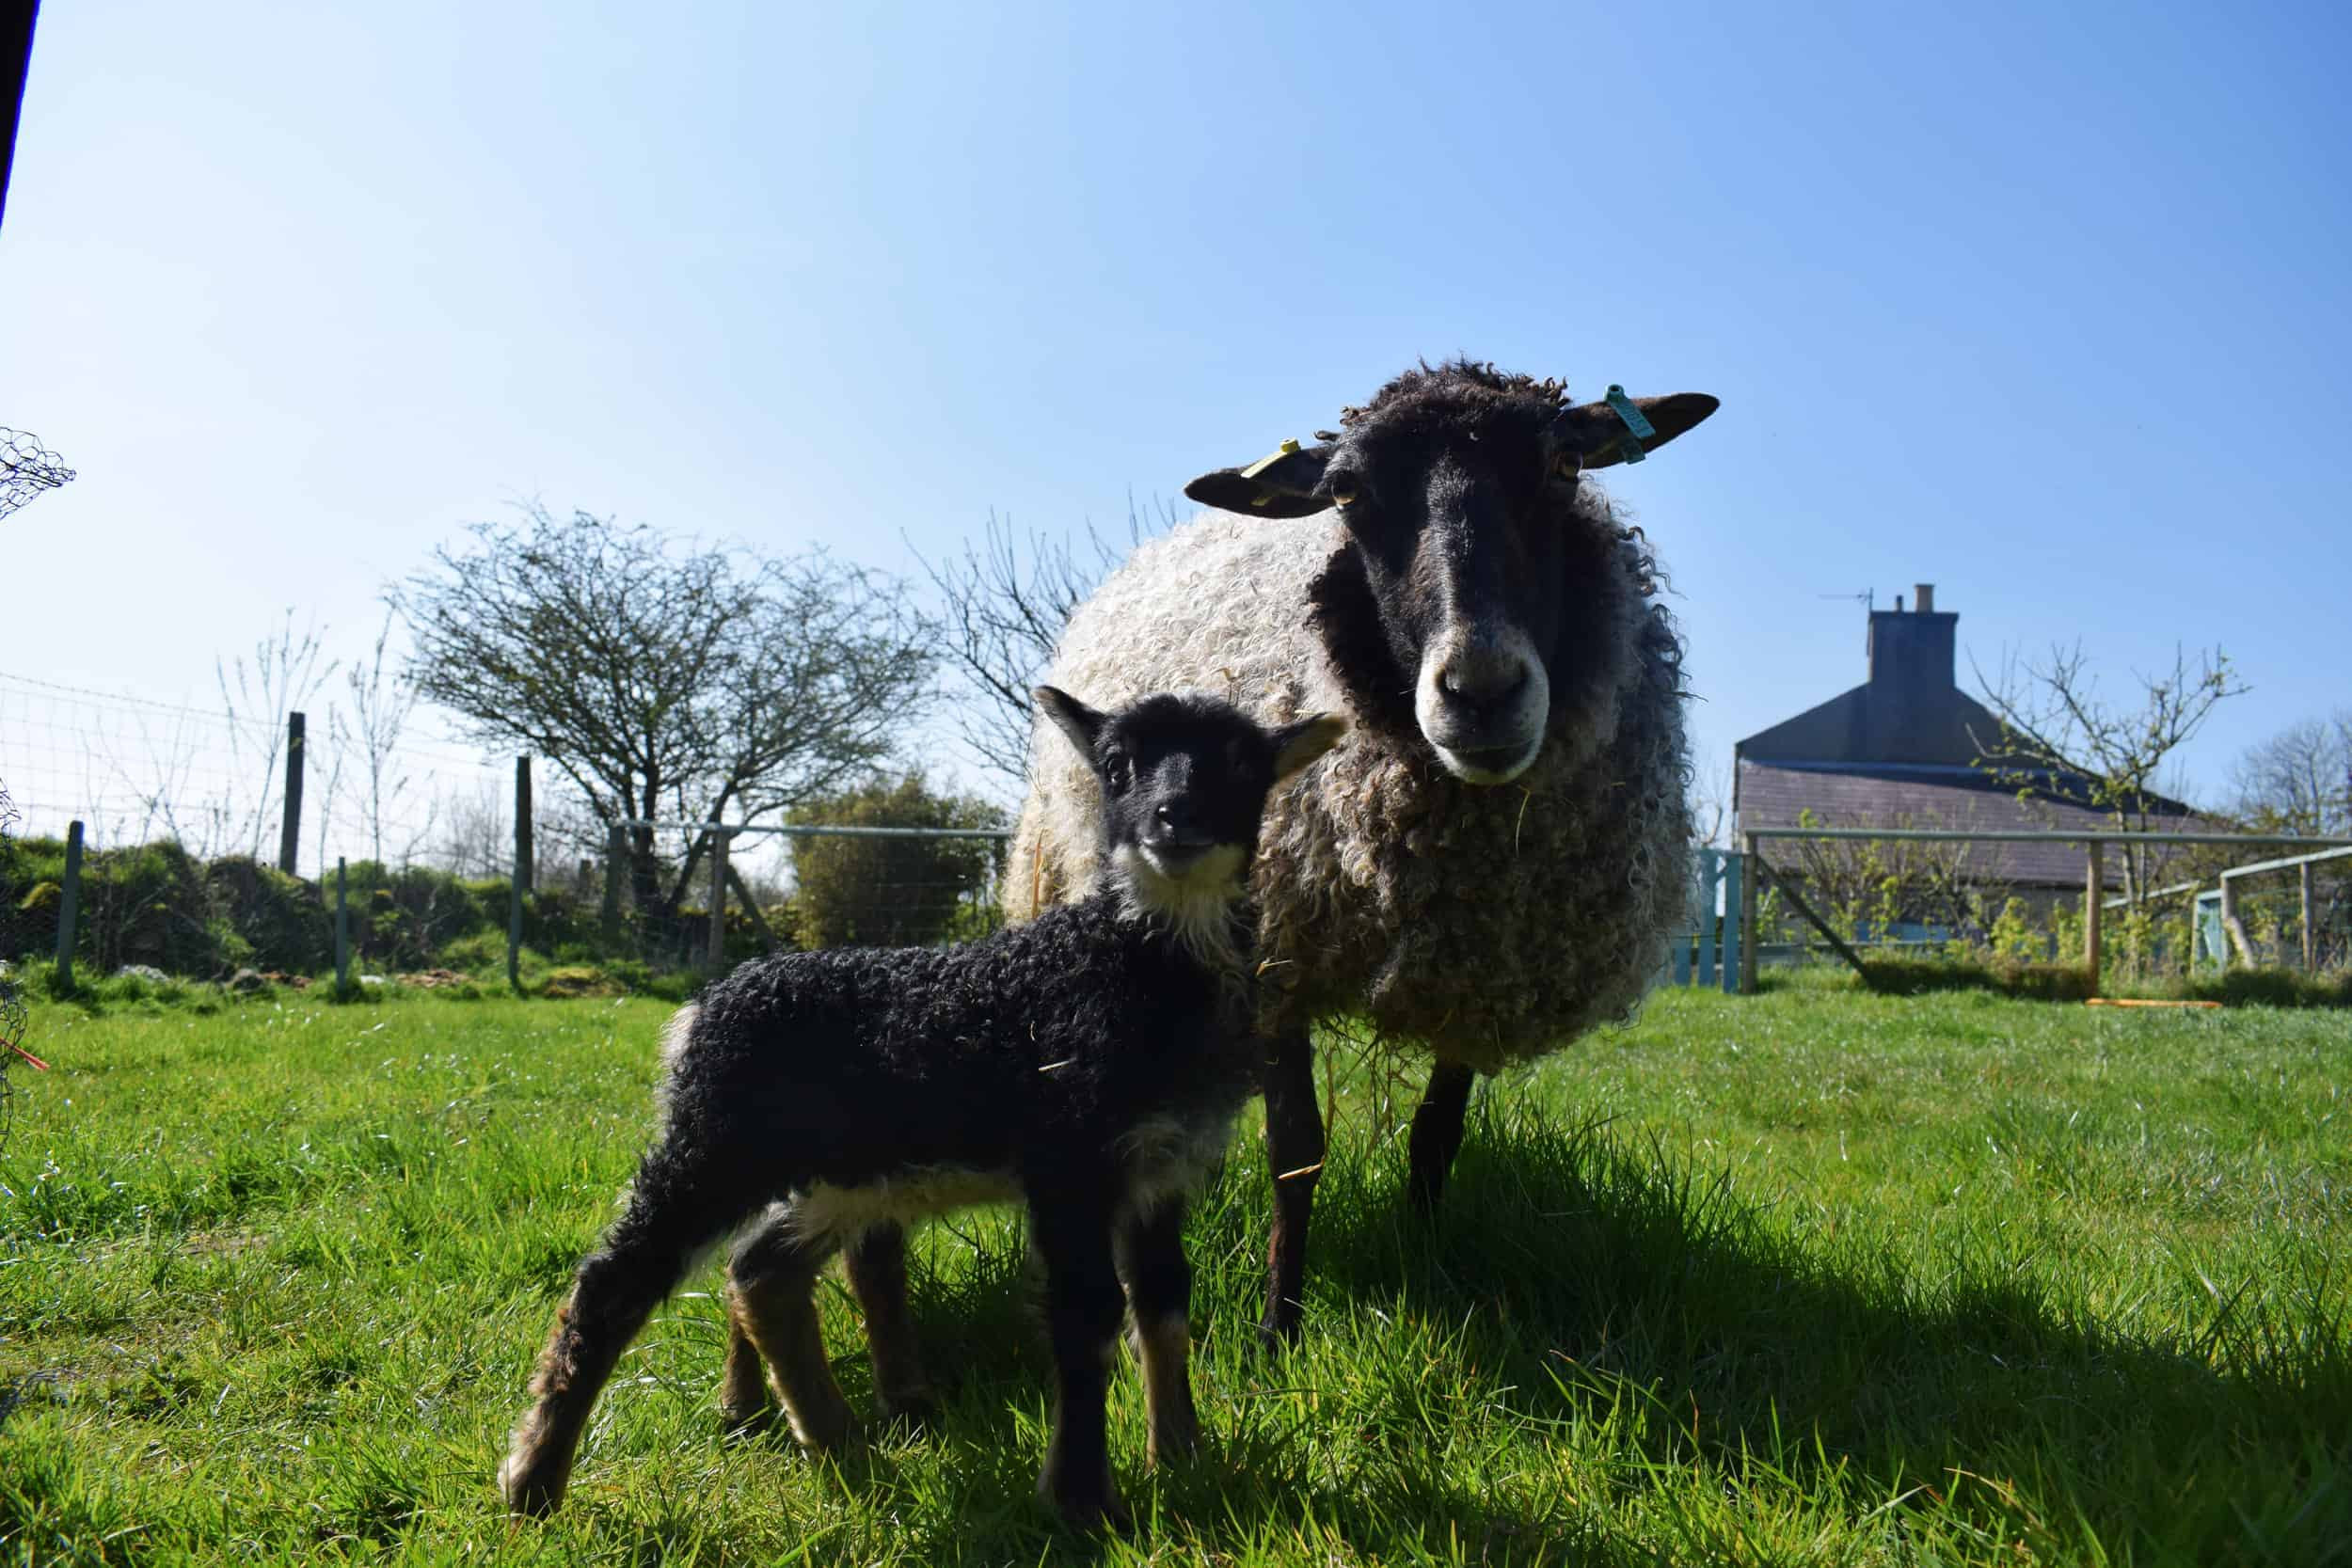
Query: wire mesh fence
{"x":165,"y":827}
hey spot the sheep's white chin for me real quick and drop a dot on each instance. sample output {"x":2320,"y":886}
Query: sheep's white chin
{"x":1467,"y":771}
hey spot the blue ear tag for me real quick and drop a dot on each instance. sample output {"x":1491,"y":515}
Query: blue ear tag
{"x":1637,"y":426}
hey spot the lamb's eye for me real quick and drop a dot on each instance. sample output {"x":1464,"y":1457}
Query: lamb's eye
{"x":1115,"y":771}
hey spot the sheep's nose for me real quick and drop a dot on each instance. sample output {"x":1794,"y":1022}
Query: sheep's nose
{"x":1482,"y":681}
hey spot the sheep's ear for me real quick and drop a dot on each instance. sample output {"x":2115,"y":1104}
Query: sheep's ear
{"x":1296,"y":745}
{"x":1078,"y":722}
{"x":1280,"y":484}
{"x":1600,"y":434}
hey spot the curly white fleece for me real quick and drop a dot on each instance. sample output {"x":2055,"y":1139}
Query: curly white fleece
{"x":1492,"y":924}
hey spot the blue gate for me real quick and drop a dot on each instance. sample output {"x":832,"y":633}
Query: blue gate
{"x":1706,"y":950}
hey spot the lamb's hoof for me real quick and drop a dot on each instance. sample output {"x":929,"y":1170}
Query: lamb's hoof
{"x":1277,"y":1332}
{"x":911,"y":1413}
{"x":754,"y":1422}
{"x":532,"y":1494}
{"x":1178,"y":1441}
{"x":1091,"y":1511}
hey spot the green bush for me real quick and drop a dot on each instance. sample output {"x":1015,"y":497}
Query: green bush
{"x":894,"y":892}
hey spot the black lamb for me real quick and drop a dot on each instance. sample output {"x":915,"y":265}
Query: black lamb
{"x":1089,"y":1064}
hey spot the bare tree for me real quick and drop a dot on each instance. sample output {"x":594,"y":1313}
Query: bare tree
{"x":477,"y":841}
{"x":661,"y":675}
{"x":284,"y":675}
{"x":2061,"y":740}
{"x":1710,"y":793}
{"x":1005,"y":600}
{"x":381,"y":702}
{"x":2299,"y":781}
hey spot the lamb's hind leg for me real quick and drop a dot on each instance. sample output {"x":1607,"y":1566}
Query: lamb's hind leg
{"x":772,"y":1316}
{"x":876,"y":1266}
{"x":669,"y":1220}
{"x":1437,"y":1136}
{"x":1293,"y":1145}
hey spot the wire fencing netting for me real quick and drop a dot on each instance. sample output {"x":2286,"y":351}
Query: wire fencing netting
{"x":182,"y":814}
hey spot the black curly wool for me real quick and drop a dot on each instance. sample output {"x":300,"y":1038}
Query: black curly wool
{"x":1030,"y":1054}
{"x":1090,"y":1064}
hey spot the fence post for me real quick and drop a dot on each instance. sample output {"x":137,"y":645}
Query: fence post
{"x":2094,"y":891}
{"x":290,"y":826}
{"x":526,"y":861}
{"x":1703,"y":912}
{"x":1735,"y":898}
{"x":342,"y":932}
{"x":69,"y":906}
{"x":1747,"y":915}
{"x":615,"y":856}
{"x":514,"y":882}
{"x":2311,"y":946}
{"x":718,"y":899}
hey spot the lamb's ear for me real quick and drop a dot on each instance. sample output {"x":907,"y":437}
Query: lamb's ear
{"x":1599,"y":435}
{"x":1078,"y":722}
{"x":1280,"y":484}
{"x":1296,"y":745}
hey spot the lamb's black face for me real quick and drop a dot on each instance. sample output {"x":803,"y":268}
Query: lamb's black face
{"x":1457,"y":527}
{"x":1185,"y":782}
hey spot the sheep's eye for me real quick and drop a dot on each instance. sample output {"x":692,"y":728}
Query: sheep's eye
{"x":1115,"y":770}
{"x":1344,"y":489}
{"x":1566,"y":466}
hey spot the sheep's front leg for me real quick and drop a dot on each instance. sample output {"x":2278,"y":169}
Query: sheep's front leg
{"x":1159,"y":1289}
{"x":877,"y":1265}
{"x":1294,"y":1147}
{"x":1072,"y":1233}
{"x":1437,"y":1136}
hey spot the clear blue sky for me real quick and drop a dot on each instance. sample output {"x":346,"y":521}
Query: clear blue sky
{"x":2049,"y":305}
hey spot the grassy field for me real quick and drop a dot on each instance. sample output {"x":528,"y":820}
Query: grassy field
{"x":1815,"y":1276}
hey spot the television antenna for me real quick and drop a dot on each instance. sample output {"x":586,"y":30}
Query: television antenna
{"x":1867,"y":598}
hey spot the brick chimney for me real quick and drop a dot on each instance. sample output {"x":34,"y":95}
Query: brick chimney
{"x":1911,"y":651}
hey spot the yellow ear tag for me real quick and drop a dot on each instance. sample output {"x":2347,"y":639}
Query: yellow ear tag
{"x":1262,"y":464}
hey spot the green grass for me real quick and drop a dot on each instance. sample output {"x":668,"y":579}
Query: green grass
{"x":1816,"y":1277}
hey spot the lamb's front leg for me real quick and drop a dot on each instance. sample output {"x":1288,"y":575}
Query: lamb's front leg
{"x":1159,"y":1289}
{"x":1072,"y":1233}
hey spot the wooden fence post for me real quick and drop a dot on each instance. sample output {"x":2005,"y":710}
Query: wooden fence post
{"x":526,"y":859}
{"x":718,"y":899}
{"x":2311,"y":946}
{"x":69,"y":906}
{"x":615,"y":857}
{"x":290,"y":826}
{"x":1751,"y":892}
{"x":1734,"y":898}
{"x":521,"y":874}
{"x":2094,"y":894}
{"x":342,"y":932}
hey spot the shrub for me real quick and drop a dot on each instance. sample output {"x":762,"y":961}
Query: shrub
{"x":895,"y":891}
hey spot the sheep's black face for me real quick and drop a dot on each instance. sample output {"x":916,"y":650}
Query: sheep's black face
{"x":1470,"y":591}
{"x":1456,"y":525}
{"x":1185,"y":782}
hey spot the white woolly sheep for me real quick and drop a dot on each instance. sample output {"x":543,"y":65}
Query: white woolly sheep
{"x":1493,"y":869}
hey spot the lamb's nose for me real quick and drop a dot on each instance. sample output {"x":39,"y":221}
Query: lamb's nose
{"x":1175,"y":823}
